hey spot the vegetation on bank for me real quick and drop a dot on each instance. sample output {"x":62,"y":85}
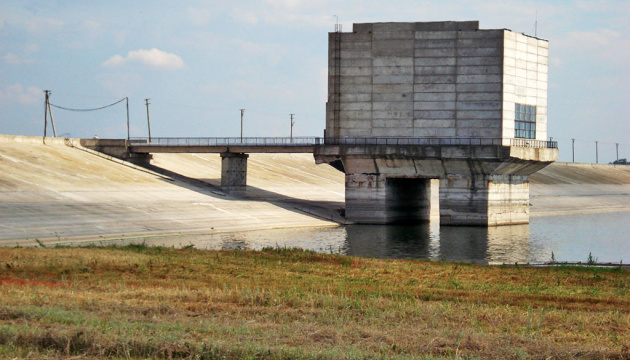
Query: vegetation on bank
{"x":151,"y":302}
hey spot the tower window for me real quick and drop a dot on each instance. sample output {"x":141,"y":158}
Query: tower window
{"x":524,"y":121}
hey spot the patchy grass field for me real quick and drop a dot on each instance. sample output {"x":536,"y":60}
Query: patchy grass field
{"x":142,"y":302}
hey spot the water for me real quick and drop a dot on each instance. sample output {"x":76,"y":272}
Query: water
{"x":570,"y":238}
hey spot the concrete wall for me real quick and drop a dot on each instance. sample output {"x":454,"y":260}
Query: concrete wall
{"x":443,"y":79}
{"x":525,"y":67}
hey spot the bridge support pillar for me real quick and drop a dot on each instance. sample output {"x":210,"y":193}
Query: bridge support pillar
{"x":140,"y":159}
{"x":484,"y":200}
{"x":233,"y":172}
{"x":376,"y":199}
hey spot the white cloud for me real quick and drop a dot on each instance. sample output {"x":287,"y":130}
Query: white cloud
{"x":16,"y":93}
{"x":13,"y":59}
{"x":153,"y":58}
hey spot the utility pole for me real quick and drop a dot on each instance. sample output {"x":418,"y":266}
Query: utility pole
{"x":596,"y":152}
{"x":128,"y":138}
{"x":573,"y":148}
{"x":146,"y":101}
{"x":292,"y":123}
{"x":47,"y":92}
{"x":242,"y":112}
{"x":617,"y":146}
{"x":48,"y":110}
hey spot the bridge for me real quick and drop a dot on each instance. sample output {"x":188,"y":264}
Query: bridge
{"x":467,"y":167}
{"x":223,"y":145}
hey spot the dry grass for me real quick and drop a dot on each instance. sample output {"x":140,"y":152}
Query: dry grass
{"x":141,"y":302}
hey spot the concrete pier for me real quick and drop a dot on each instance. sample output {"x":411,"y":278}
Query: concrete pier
{"x":484,"y":200}
{"x":233,"y":172}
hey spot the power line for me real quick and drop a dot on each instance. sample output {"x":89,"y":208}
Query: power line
{"x":92,"y":109}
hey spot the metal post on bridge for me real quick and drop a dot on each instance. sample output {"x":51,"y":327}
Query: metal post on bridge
{"x":291,"y":134}
{"x":242,"y":112}
{"x":148,"y":120}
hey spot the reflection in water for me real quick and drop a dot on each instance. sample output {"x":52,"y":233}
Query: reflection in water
{"x":397,"y":242}
{"x":570,"y":238}
{"x":495,"y":245}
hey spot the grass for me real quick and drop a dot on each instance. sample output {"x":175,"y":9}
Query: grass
{"x":137,"y":302}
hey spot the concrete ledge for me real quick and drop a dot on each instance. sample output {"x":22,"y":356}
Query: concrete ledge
{"x":36,"y":139}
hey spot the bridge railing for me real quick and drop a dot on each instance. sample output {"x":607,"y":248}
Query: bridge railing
{"x":315,"y":141}
{"x":441,"y":141}
{"x":226,"y":141}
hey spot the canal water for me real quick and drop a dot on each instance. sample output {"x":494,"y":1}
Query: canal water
{"x":566,"y":238}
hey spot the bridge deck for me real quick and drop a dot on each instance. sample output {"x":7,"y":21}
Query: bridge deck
{"x":224,"y":144}
{"x":308,"y":144}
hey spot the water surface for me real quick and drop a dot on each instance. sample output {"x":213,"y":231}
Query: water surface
{"x":569,"y":238}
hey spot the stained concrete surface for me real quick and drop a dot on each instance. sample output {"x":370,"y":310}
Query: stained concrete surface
{"x":566,"y":188}
{"x":57,"y":193}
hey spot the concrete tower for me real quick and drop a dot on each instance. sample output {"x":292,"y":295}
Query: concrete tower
{"x":410,"y":102}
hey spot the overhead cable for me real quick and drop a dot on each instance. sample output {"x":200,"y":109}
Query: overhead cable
{"x":94,"y":109}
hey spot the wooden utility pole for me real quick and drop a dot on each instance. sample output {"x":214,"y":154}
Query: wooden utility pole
{"x":573,"y":148}
{"x":48,"y":110}
{"x":146,"y":101}
{"x":292,"y":123}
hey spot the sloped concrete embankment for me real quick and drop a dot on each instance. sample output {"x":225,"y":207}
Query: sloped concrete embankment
{"x":58,"y":192}
{"x":566,"y":188}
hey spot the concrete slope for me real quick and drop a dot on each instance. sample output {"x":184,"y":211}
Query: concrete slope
{"x":57,"y":193}
{"x":563,"y":188}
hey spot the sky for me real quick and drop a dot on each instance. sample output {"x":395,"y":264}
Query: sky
{"x":200,"y":62}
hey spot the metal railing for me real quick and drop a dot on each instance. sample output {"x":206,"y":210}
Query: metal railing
{"x":226,"y":141}
{"x":316,"y":141}
{"x":404,"y":141}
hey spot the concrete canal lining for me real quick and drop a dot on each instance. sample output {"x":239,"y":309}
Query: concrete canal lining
{"x":58,"y":192}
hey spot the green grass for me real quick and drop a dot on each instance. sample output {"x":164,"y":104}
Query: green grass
{"x":152,"y":302}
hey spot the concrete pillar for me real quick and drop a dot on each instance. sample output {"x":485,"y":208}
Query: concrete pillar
{"x":233,"y":171}
{"x":140,"y":159}
{"x":365,"y":198}
{"x":375,"y":199}
{"x":484,"y":200}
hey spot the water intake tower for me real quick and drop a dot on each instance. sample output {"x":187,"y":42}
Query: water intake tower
{"x":411,"y":102}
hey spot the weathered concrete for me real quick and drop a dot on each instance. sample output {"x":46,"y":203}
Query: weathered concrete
{"x":233,"y":172}
{"x":436,"y":80}
{"x":59,"y":192}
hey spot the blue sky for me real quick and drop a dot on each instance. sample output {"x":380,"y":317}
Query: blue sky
{"x":201,"y":61}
